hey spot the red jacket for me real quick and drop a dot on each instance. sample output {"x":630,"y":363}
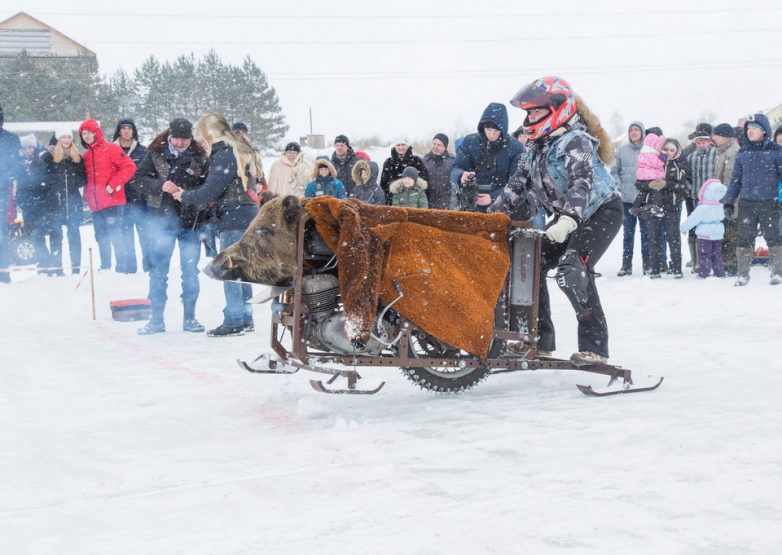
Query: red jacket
{"x":106,"y":164}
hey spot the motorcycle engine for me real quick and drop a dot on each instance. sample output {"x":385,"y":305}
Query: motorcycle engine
{"x":326,"y":323}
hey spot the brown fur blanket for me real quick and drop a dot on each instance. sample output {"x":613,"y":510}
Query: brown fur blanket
{"x":451,"y":266}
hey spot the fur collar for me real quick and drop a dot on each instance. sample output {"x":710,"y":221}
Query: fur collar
{"x":397,"y":185}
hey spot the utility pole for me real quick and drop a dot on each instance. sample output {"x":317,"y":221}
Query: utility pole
{"x":310,"y":120}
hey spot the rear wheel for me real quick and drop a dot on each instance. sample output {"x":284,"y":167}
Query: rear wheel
{"x":23,"y":251}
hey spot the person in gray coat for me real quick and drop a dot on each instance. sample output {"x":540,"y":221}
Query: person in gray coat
{"x":624,"y":173}
{"x":438,"y":162}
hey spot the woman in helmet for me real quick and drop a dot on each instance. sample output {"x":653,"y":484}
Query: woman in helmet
{"x":565,"y":173}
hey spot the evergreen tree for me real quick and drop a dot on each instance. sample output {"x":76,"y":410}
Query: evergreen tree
{"x":154,"y":94}
{"x":48,"y":89}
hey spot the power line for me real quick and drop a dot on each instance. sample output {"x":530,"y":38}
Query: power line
{"x":397,"y":42}
{"x":300,"y":16}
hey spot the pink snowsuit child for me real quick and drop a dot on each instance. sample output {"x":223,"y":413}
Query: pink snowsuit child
{"x":651,"y":167}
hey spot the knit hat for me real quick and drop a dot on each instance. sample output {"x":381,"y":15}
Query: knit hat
{"x":61,"y":132}
{"x":519,"y":131}
{"x":28,"y":140}
{"x":756,"y":126}
{"x":723,"y":130}
{"x":400,"y":140}
{"x":410,"y":172}
{"x":361,"y":155}
{"x":181,"y":129}
{"x":702,"y":131}
{"x":654,"y":131}
{"x":342,"y":139}
{"x":240,"y":126}
{"x":443,"y":138}
{"x":293,"y":146}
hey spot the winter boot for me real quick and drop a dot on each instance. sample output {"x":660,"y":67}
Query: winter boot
{"x":646,"y":264}
{"x":743,"y":262}
{"x":153,"y":326}
{"x":191,"y":324}
{"x":627,"y":267}
{"x":775,"y":264}
{"x":587,"y":357}
{"x":226,"y":331}
{"x":692,"y":243}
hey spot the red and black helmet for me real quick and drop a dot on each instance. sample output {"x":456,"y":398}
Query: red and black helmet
{"x":549,"y":92}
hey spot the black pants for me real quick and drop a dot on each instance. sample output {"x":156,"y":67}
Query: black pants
{"x":590,"y":241}
{"x":758,"y":213}
{"x":669,"y":223}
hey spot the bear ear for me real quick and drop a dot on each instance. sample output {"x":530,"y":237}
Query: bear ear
{"x":265,"y":197}
{"x":291,"y":210}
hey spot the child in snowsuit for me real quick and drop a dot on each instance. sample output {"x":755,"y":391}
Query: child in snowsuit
{"x":409,"y":191}
{"x":650,"y":177}
{"x":326,"y":182}
{"x":707,"y":221}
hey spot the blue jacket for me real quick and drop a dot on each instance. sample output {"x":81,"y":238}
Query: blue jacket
{"x":235,"y":208}
{"x":707,"y":217}
{"x":11,"y":166}
{"x":758,"y":167}
{"x":493,"y":163}
{"x":325,"y":186}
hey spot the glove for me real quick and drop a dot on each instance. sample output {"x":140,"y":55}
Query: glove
{"x":657,"y":185}
{"x":730,"y":212}
{"x":558,"y":232}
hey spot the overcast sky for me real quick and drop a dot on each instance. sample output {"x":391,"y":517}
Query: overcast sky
{"x":415,"y":68}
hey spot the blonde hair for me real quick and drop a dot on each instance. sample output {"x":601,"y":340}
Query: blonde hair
{"x":213,"y":128}
{"x":59,"y":152}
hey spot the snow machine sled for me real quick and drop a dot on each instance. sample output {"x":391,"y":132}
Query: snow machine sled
{"x":310,"y":313}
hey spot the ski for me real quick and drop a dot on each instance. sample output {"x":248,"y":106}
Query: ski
{"x":616,"y":390}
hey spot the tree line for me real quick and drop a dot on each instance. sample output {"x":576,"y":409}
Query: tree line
{"x":65,"y":89}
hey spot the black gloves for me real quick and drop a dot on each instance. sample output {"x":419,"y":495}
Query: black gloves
{"x":730,"y":212}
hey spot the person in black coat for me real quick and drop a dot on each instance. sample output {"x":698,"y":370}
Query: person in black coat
{"x":401,"y":157}
{"x":10,"y":170}
{"x":438,"y":162}
{"x":126,"y":136}
{"x":65,"y":172}
{"x":486,"y":160}
{"x":343,"y":159}
{"x":173,"y":159}
{"x":671,"y":192}
{"x":229,"y":183}
{"x":37,"y":197}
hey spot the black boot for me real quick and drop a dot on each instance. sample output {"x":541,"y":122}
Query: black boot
{"x":627,"y":267}
{"x":646,"y":265}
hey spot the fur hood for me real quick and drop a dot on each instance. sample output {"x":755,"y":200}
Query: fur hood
{"x":159,"y":145}
{"x":323,"y":162}
{"x":594,"y":128}
{"x":367,"y":167}
{"x":397,"y":185}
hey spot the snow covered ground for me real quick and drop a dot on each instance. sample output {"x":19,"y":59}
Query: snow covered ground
{"x":115,"y":443}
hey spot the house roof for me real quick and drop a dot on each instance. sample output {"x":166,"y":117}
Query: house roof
{"x":24,"y":31}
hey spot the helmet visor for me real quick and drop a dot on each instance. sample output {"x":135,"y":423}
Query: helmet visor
{"x":530,"y":96}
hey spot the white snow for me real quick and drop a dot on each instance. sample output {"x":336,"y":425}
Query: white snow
{"x":115,"y":443}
